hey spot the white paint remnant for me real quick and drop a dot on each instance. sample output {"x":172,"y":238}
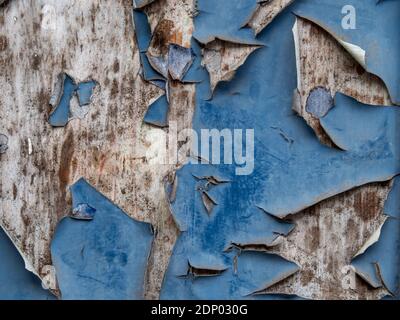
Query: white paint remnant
{"x":295,"y":31}
{"x":30,"y":148}
{"x":371,"y":240}
{"x":357,"y":52}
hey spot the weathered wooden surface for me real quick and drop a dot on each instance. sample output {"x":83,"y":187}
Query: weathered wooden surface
{"x":117,"y":153}
{"x":265,"y":13}
{"x":110,"y":147}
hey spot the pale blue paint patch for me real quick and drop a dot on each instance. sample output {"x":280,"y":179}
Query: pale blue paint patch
{"x":105,"y":258}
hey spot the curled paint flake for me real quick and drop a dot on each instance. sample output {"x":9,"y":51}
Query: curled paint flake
{"x":375,"y":45}
{"x":64,"y":91}
{"x":179,"y":61}
{"x":157,"y":113}
{"x":159,"y":64}
{"x":83,"y":212}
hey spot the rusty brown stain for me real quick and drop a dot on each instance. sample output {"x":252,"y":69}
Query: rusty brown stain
{"x":35,"y":61}
{"x":67,"y":152}
{"x":116,"y":66}
{"x":15,"y":191}
{"x":163,"y":35}
{"x":3,"y":43}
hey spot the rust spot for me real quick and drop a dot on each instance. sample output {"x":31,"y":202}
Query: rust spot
{"x":148,"y":179}
{"x":163,"y":35}
{"x":67,"y":152}
{"x":114,"y":88}
{"x":35,"y":61}
{"x":116,"y":66}
{"x":42,"y":100}
{"x":15,"y":191}
{"x":368,"y":204}
{"x":306,"y":277}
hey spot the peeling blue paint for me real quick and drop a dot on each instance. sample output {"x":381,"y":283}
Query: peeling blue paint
{"x":65,"y":89}
{"x":261,"y":100}
{"x":379,"y":265}
{"x":224,"y":20}
{"x":105,"y":258}
{"x":149,"y":74}
{"x":180,"y":60}
{"x":376,"y":33}
{"x":15,"y":281}
{"x":141,"y":3}
{"x":157,"y":113}
{"x":142,"y":30}
{"x":356,"y":127}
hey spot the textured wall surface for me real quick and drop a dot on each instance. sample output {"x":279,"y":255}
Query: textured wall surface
{"x":256,"y":65}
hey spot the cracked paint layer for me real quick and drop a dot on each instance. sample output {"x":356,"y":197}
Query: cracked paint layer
{"x":223,"y":58}
{"x":374,"y":43}
{"x":379,"y":265}
{"x":157,"y":113}
{"x":205,"y":265}
{"x":65,"y":89}
{"x":262,"y":100}
{"x":17,"y":283}
{"x":104,"y":258}
{"x":224,"y":20}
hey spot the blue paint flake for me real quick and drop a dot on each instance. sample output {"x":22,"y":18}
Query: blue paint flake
{"x":15,"y":281}
{"x":105,"y":258}
{"x":65,"y":89}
